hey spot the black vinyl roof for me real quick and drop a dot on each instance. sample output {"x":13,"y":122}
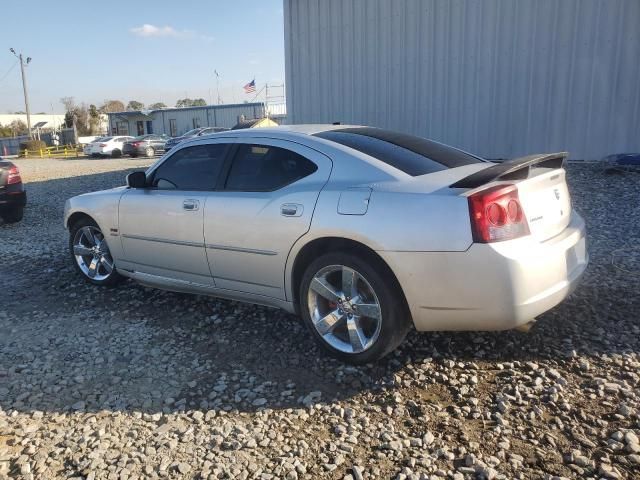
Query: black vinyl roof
{"x":409,"y":153}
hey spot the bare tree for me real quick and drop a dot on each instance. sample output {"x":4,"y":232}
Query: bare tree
{"x":110,"y":106}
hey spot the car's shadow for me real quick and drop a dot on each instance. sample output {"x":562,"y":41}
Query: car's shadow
{"x":67,"y":345}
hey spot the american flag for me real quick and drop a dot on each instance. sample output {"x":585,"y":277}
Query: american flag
{"x":250,"y":87}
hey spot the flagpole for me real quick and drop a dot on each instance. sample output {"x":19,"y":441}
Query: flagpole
{"x":257,"y":94}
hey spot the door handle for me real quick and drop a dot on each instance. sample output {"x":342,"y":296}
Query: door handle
{"x":291,"y":209}
{"x":191,"y":205}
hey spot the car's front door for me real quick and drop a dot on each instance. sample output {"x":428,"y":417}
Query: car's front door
{"x":264,"y":206}
{"x":161,"y":226}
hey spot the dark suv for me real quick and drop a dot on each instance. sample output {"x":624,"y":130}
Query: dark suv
{"x":147,"y":145}
{"x":13,"y":197}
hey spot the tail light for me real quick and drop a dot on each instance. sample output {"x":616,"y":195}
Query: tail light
{"x":496,"y":215}
{"x":102,"y":145}
{"x":14,"y":176}
{"x":135,"y":144}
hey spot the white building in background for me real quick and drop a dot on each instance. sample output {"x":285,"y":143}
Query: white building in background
{"x":178,"y":121}
{"x":500,"y":78}
{"x":53,"y":121}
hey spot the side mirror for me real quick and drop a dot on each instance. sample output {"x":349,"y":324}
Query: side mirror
{"x":137,"y":180}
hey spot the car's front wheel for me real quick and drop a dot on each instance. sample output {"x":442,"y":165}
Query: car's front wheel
{"x":90,"y":253}
{"x":352,"y":307}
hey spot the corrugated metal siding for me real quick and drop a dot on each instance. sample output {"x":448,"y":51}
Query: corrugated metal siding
{"x":501,"y":78}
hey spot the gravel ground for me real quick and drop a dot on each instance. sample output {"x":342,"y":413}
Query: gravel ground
{"x":132,"y":382}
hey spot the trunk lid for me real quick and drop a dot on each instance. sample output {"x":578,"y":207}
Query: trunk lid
{"x":546,"y":202}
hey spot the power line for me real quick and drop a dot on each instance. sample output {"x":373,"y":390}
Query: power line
{"x":9,"y":71}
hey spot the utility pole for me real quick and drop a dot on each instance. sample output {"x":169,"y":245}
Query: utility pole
{"x":24,"y":87}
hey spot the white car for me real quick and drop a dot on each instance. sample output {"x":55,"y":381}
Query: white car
{"x":363,"y":232}
{"x":107,"y":146}
{"x":87,"y":147}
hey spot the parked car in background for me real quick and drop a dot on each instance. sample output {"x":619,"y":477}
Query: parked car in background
{"x":13,"y":196}
{"x":147,"y":145}
{"x":108,"y":146}
{"x":87,"y":148}
{"x":364,"y":232}
{"x":196,"y":132}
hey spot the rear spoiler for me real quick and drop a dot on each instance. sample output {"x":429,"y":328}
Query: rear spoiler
{"x":515,"y":169}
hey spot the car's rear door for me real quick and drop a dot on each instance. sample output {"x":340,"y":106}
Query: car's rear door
{"x":264,"y":205}
{"x":161,"y":226}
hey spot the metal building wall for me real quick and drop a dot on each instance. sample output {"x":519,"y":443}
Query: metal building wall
{"x":209,"y":116}
{"x":500,"y":78}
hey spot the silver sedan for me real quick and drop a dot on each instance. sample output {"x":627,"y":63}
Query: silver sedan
{"x":363,"y":232}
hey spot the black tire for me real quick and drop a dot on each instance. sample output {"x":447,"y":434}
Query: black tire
{"x":111,"y":279}
{"x":12,"y":216}
{"x":134,"y":155}
{"x":395,"y":319}
{"x":116,"y":153}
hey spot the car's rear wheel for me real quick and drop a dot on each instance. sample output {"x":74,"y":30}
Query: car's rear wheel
{"x":12,"y":215}
{"x":351,"y":308}
{"x":149,"y":152}
{"x":90,"y":253}
{"x":116,"y":153}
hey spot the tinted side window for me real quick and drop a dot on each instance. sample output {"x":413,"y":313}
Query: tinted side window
{"x":191,"y":168}
{"x":261,"y":168}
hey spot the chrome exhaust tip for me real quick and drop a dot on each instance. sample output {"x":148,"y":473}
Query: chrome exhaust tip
{"x":526,"y":327}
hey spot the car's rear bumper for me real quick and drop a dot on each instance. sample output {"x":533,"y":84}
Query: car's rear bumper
{"x":13,"y":196}
{"x":495,"y":286}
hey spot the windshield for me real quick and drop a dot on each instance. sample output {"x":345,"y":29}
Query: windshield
{"x":103,"y":139}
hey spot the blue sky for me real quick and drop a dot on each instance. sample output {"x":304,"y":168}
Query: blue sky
{"x":147,"y":50}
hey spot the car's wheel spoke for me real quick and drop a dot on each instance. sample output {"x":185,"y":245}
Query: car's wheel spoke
{"x":106,"y":263}
{"x":370,"y":310}
{"x":357,"y":337}
{"x":93,"y":267}
{"x":82,"y":250}
{"x":329,"y":322}
{"x":349,"y":282}
{"x":324,"y":289}
{"x":88,"y":234}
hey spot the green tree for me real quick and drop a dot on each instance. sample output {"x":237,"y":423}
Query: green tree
{"x":5,"y":131}
{"x":157,"y":106}
{"x":135,"y":105}
{"x":190,"y":102}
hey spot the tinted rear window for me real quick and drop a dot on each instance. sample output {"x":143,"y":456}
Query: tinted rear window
{"x":412,"y":155}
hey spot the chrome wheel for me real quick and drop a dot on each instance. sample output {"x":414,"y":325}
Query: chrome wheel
{"x":344,"y":309}
{"x":92,"y":253}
